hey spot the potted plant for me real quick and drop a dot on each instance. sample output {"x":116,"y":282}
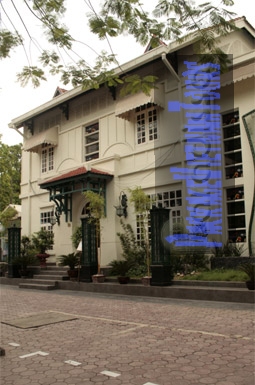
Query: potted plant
{"x":249,"y":269}
{"x":42,"y":240}
{"x":97,"y":212}
{"x":26,"y":258}
{"x":120,"y":269}
{"x":72,"y":260}
{"x":142,"y":204}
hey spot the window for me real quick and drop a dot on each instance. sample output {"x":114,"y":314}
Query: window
{"x":232,"y":145}
{"x":236,"y":214}
{"x":146,"y":123}
{"x":92,"y":141}
{"x":141,"y":227}
{"x":47,"y":159}
{"x":168,"y":199}
{"x":45,"y":217}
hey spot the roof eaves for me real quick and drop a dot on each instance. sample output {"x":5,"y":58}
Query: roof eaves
{"x":143,"y":59}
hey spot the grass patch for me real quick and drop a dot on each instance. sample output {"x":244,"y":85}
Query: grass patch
{"x":218,"y":275}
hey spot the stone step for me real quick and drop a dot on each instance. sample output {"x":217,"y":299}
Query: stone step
{"x":56,"y":268}
{"x":50,"y":277}
{"x":37,"y":286}
{"x":53,"y":272}
{"x":40,"y":281}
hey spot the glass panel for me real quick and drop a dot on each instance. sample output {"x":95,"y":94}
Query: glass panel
{"x":92,"y":128}
{"x":234,"y":157}
{"x":234,"y":172}
{"x":235,"y":193}
{"x":233,"y":144}
{"x":236,"y":207}
{"x":236,"y":222}
{"x":237,"y":236}
{"x":92,"y":148}
{"x":230,"y":118}
{"x":229,"y":132}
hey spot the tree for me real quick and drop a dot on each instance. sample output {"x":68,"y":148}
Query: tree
{"x":10,"y":172}
{"x":97,"y":212}
{"x":142,"y":205}
{"x":170,"y":20}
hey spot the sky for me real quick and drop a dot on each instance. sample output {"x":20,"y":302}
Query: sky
{"x":16,"y":100}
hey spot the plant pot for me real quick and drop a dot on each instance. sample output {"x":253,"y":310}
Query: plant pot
{"x":42,"y":258}
{"x":146,"y":281}
{"x":123,"y":280}
{"x":250,"y":285}
{"x":73,"y":274}
{"x":98,"y":278}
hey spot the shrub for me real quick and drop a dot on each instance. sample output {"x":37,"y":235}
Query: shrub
{"x":228,"y":250}
{"x":131,"y":250}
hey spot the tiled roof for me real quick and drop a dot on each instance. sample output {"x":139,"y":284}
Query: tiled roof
{"x":77,"y":172}
{"x":59,"y":91}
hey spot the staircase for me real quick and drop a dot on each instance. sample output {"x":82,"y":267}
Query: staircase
{"x":46,"y":279}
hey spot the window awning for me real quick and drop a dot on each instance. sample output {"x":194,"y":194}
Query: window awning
{"x":238,"y":74}
{"x":127,"y":104}
{"x":49,"y":136}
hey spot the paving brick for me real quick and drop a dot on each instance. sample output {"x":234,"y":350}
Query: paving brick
{"x":146,"y":340}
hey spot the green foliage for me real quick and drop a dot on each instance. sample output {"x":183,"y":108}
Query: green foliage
{"x":120,"y":268}
{"x":142,"y":204}
{"x":217,"y":275}
{"x":171,"y":20}
{"x":228,"y":250}
{"x":248,"y":269}
{"x":3,"y":268}
{"x":135,"y":83}
{"x":8,"y":41}
{"x":7,"y":215}
{"x":70,"y":260}
{"x":191,"y":259}
{"x":138,"y":271}
{"x":132,"y":251}
{"x":97,"y":212}
{"x":27,"y":254}
{"x":31,"y":73}
{"x":76,"y":236}
{"x":96,"y":204}
{"x":103,"y":26}
{"x":42,"y":240}
{"x":10,"y":174}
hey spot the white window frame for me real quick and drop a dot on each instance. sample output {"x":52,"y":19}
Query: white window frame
{"x":146,"y":122}
{"x":167,"y":199}
{"x":47,"y":158}
{"x":45,"y":216}
{"x":91,"y":141}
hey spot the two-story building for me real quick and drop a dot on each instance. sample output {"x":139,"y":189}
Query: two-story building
{"x":96,"y":139}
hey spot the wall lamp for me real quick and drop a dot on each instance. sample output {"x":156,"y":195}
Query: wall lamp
{"x":53,"y":220}
{"x":121,"y":210}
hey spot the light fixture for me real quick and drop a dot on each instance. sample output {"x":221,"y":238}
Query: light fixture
{"x":53,"y":221}
{"x":121,"y":210}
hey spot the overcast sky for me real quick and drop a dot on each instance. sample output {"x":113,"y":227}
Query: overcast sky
{"x":15,"y":100}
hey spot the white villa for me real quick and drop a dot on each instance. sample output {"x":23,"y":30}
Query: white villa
{"x":96,"y":140}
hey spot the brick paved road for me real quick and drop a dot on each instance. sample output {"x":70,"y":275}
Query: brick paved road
{"x":121,"y":340}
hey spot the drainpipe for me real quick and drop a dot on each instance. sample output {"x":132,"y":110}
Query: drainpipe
{"x":178,"y":79}
{"x":170,"y":68}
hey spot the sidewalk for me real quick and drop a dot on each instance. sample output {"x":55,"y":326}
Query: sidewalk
{"x":206,"y":291}
{"x":108,"y":339}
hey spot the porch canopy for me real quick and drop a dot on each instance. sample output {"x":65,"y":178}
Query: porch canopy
{"x":81,"y":179}
{"x":126,"y":105}
{"x":49,"y":136}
